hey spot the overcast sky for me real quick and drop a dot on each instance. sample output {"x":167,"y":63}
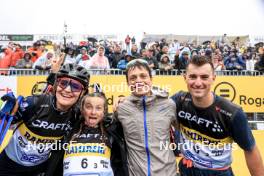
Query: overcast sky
{"x":202,"y":17}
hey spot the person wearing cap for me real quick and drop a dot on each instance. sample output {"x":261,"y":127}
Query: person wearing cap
{"x":41,"y":121}
{"x":70,"y":56}
{"x":83,"y":58}
{"x":123,"y":62}
{"x":164,"y":50}
{"x":35,"y":51}
{"x":234,"y":61}
{"x":116,"y":56}
{"x":184,"y":59}
{"x":83,"y":55}
{"x":146,"y":117}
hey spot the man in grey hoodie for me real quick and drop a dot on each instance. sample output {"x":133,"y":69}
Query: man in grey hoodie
{"x":146,"y":117}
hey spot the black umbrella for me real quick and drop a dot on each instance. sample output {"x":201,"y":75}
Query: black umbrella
{"x":207,"y":42}
{"x":91,"y":39}
{"x":259,"y":44}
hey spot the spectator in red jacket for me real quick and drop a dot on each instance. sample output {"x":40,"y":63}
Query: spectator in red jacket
{"x":127,"y":41}
{"x":5,"y":61}
{"x":17,"y":55}
{"x":36,"y":51}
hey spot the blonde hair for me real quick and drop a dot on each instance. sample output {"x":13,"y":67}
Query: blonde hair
{"x":100,"y":95}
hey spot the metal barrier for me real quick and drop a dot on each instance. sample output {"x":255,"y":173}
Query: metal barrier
{"x":239,"y":73}
{"x":256,"y":125}
{"x":20,"y":72}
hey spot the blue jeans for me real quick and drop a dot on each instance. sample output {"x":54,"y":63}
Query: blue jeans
{"x":184,"y":171}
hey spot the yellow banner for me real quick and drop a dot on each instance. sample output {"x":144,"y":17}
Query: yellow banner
{"x":245,"y":91}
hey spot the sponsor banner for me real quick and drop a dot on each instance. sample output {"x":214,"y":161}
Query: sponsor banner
{"x":244,"y":91}
{"x":8,"y":84}
{"x":16,"y":37}
{"x":26,"y":83}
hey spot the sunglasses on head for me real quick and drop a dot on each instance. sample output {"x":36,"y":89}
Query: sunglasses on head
{"x":65,"y":82}
{"x":135,"y":61}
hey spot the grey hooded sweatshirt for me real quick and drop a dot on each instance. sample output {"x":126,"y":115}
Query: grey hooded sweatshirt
{"x":146,"y":123}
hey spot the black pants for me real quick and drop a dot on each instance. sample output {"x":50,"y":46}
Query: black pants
{"x":184,"y":171}
{"x":11,"y":168}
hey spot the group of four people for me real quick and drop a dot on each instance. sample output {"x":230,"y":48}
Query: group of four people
{"x":130,"y":142}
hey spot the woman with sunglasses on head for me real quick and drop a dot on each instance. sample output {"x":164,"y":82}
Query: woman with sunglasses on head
{"x":42,"y":121}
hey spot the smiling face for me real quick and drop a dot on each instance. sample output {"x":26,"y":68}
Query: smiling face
{"x":139,"y":81}
{"x":93,"y":110}
{"x":68,"y":92}
{"x":199,"y":80}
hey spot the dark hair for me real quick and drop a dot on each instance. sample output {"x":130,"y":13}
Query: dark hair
{"x":199,"y":61}
{"x":162,"y":58}
{"x":27,"y":53}
{"x":137,"y":63}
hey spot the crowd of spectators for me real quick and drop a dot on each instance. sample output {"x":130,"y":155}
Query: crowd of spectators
{"x":161,"y":55}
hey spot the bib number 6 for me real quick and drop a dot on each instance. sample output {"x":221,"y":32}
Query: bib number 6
{"x":84,"y":163}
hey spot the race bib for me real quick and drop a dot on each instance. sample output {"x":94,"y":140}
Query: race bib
{"x":91,"y":159}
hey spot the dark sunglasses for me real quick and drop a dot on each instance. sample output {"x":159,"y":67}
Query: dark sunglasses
{"x":75,"y":85}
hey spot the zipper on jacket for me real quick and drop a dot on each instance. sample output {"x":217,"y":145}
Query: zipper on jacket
{"x":146,"y":133}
